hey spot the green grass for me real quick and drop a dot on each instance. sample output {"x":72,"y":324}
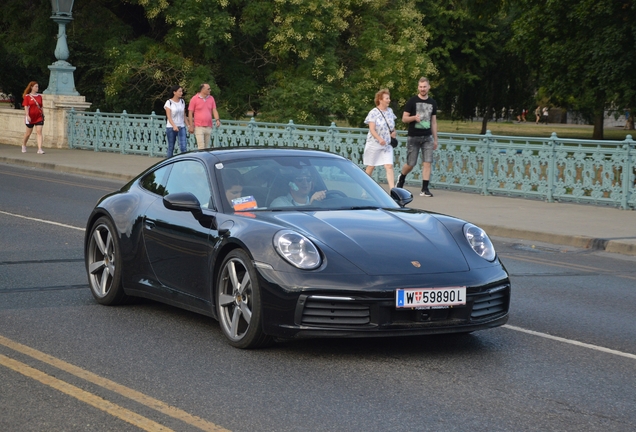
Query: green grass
{"x":530,"y":129}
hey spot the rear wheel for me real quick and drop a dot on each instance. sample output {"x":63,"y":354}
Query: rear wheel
{"x":238,"y":302}
{"x":103,"y":264}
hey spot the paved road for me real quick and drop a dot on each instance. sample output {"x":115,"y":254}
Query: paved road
{"x":565,"y":361}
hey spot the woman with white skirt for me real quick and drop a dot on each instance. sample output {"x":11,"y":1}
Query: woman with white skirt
{"x":378,"y":150}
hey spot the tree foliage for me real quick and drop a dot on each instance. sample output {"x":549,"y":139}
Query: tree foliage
{"x":583,"y":51}
{"x":478,"y":72}
{"x":315,"y":60}
{"x":25,"y":33}
{"x":305,"y":60}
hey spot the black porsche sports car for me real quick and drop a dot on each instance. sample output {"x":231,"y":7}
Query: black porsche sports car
{"x":288,"y":243}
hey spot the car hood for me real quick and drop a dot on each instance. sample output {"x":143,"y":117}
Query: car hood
{"x":381,"y":242}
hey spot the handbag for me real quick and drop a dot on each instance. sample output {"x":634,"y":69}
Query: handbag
{"x":394,"y":142}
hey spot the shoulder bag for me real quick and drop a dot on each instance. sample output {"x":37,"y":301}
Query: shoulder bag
{"x":394,"y":141}
{"x":38,"y":105}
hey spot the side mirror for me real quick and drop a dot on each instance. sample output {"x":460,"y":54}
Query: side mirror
{"x":401,"y":196}
{"x":182,"y":201}
{"x":186,"y":201}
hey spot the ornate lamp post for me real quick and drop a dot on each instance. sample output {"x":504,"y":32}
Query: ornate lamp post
{"x":61,"y":81}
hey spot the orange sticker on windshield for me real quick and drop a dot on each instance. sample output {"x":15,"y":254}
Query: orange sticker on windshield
{"x":244,"y":203}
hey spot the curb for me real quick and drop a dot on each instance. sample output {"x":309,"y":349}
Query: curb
{"x":582,"y":242}
{"x":67,"y":169}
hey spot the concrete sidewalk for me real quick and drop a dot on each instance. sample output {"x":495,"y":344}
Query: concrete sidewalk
{"x":578,"y":225}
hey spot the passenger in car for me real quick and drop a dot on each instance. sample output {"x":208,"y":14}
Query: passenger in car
{"x":233,"y":184}
{"x":235,"y":195}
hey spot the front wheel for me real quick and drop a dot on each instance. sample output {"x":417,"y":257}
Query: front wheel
{"x":238,"y":302}
{"x":103,"y":264}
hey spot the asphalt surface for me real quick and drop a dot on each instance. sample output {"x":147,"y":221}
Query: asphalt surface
{"x":579,"y":225}
{"x":564,"y":362}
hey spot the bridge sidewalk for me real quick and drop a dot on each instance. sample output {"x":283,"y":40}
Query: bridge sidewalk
{"x":578,"y":225}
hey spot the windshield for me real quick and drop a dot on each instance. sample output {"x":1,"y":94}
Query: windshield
{"x":298,"y":183}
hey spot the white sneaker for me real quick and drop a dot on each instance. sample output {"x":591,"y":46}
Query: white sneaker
{"x":40,"y":151}
{"x":23,"y":149}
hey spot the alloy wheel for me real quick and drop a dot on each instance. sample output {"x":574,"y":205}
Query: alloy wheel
{"x":101,"y":260}
{"x":235,"y":299}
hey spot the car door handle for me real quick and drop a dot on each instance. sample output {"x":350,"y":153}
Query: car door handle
{"x":149,"y":224}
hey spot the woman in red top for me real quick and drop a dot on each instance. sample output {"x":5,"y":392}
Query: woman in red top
{"x":32,"y":103}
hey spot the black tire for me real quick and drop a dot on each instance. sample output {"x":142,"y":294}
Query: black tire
{"x":103,"y":264}
{"x":238,"y":302}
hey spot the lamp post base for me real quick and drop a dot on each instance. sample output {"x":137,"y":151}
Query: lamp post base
{"x":61,"y":81}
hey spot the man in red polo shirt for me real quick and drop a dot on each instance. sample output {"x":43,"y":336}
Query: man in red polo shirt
{"x":202,"y":107}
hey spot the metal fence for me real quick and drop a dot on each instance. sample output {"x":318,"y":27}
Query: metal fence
{"x":550,"y":169}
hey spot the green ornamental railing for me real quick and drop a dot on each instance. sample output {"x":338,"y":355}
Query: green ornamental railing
{"x":550,"y":169}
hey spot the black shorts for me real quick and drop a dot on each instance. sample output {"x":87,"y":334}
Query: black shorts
{"x":30,"y":125}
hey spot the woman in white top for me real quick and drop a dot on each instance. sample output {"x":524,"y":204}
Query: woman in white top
{"x":176,"y":124}
{"x":378,"y":150}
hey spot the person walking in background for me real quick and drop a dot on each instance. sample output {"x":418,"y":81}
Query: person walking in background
{"x":176,"y":124}
{"x":420,"y":113}
{"x":545,"y":114}
{"x":200,"y":111}
{"x":378,"y":150}
{"x":537,"y":114}
{"x":521,"y":117}
{"x":32,"y":103}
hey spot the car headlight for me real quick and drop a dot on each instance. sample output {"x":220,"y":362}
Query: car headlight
{"x":479,"y":241}
{"x":297,"y":249}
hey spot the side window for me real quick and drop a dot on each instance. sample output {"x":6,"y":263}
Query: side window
{"x":155,"y":181}
{"x":190,"y":176}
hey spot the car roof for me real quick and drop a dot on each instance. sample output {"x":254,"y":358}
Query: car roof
{"x":231,"y":153}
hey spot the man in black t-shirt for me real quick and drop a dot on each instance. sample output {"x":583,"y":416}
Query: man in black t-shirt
{"x":420,"y":113}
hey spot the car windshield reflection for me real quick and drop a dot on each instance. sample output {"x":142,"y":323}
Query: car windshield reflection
{"x":299,"y":184}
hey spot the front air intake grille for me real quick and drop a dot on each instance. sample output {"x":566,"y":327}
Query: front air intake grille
{"x":334,"y":313}
{"x":491,"y":303}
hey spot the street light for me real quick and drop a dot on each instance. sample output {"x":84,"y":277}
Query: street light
{"x":62,"y":7}
{"x":61,"y":81}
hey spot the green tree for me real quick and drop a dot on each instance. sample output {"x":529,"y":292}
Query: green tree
{"x":98,"y":25}
{"x":332,"y":56}
{"x":304,"y":60}
{"x":583,"y":52}
{"x":26,"y":32}
{"x":477,"y":70}
{"x":28,"y":44}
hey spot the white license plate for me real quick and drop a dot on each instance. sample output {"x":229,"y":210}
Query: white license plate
{"x":420,"y":298}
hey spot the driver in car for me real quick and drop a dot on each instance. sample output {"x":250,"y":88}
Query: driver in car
{"x":300,"y":187}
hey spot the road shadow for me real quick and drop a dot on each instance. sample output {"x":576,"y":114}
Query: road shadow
{"x":457,"y":344}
